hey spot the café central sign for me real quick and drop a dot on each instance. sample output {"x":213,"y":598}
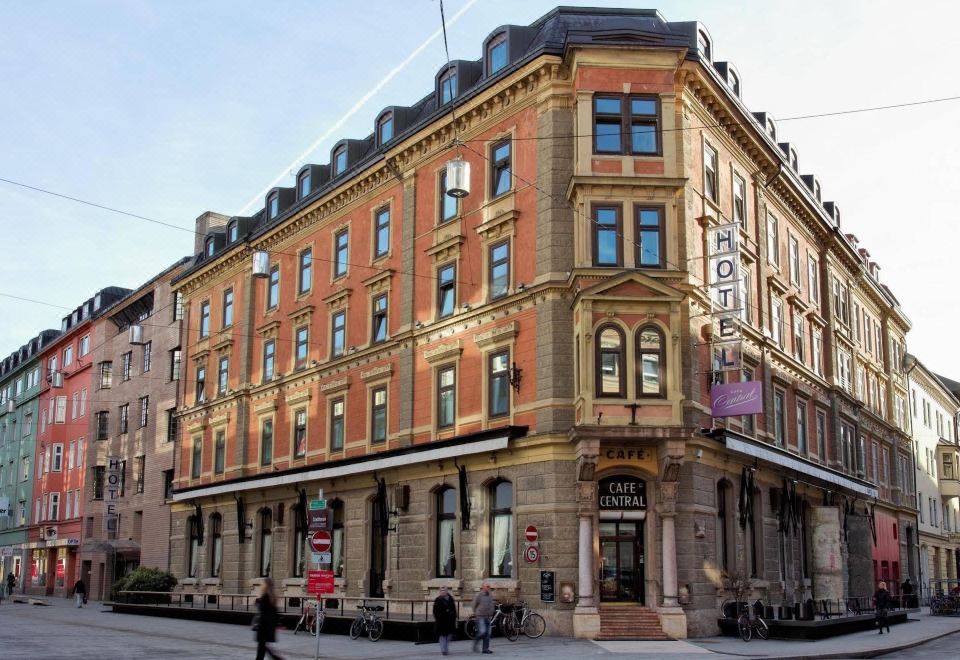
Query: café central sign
{"x":622,"y":492}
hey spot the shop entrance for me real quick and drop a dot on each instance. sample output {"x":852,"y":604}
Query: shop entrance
{"x":621,"y":561}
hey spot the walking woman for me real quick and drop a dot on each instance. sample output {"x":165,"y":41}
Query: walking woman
{"x":445,"y":617}
{"x":266,"y":621}
{"x":881,"y":598}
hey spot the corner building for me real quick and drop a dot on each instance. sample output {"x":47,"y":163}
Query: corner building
{"x":537,"y":353}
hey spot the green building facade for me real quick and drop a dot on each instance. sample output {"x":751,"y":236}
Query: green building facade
{"x":20,"y":375}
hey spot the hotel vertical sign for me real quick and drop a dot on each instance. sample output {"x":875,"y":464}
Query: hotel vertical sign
{"x":723,"y":258}
{"x":111,"y":495}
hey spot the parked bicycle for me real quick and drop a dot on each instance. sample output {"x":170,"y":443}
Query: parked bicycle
{"x":750,"y":624}
{"x":369,"y":622}
{"x":500,"y":618}
{"x":526,"y":621}
{"x":312,"y":618}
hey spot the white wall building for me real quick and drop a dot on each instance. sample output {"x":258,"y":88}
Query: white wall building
{"x":934,"y":411}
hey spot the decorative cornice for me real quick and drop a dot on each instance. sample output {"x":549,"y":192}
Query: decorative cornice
{"x":335,"y":385}
{"x":301,"y":315}
{"x":379,"y":282}
{"x":443,"y":352}
{"x":268,"y":330}
{"x":496,"y":335}
{"x":377,"y":372}
{"x":338,"y":298}
{"x":297,"y":397}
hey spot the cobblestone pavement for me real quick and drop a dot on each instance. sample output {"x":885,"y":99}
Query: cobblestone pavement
{"x":60,"y":630}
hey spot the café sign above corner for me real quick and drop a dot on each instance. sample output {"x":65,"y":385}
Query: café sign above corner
{"x":622,"y":492}
{"x":723,"y":254}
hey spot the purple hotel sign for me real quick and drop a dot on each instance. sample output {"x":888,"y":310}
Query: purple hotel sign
{"x":737,"y":399}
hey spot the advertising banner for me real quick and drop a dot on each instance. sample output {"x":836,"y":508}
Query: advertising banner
{"x":734,"y":399}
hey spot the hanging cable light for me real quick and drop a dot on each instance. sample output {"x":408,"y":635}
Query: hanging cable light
{"x":458,"y":177}
{"x":261,"y":263}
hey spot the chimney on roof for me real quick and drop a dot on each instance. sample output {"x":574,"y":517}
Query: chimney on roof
{"x":853,"y":240}
{"x":864,"y":254}
{"x":874,"y":270}
{"x":204,"y":223}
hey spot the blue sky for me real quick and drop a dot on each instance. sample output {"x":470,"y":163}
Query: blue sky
{"x":168,"y":109}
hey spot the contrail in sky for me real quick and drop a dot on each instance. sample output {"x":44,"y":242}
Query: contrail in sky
{"x":301,"y":159}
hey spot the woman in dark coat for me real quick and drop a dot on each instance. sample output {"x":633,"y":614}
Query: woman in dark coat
{"x":266,"y":623}
{"x":445,"y":616}
{"x":881,"y":598}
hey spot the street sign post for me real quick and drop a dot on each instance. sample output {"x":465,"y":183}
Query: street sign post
{"x":317,"y":504}
{"x":318,"y":519}
{"x":321,"y":541}
{"x":532,"y":554}
{"x":531,"y":533}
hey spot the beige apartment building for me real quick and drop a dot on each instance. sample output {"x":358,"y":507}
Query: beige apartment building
{"x":136,"y":369}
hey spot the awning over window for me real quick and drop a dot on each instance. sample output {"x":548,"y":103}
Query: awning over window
{"x":789,"y":461}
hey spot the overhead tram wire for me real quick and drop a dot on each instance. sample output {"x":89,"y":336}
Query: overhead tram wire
{"x":463,"y":142}
{"x":819,"y":115}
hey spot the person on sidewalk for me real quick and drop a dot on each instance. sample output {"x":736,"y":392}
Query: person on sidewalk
{"x":266,"y":620}
{"x":881,"y":599}
{"x":445,"y":618}
{"x":11,"y":583}
{"x":80,"y":592}
{"x":483,"y":609}
{"x":907,"y":590}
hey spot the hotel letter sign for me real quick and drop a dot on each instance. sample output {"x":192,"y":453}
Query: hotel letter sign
{"x":111,"y":494}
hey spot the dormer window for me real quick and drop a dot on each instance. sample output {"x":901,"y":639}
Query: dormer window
{"x":703,"y":45}
{"x":448,"y":86}
{"x":209,"y":248}
{"x":771,"y":128}
{"x":233,"y":232}
{"x":340,"y":160}
{"x":816,"y":190}
{"x":497,"y":54}
{"x":303,"y":184}
{"x":273,"y":205}
{"x":734,"y":81}
{"x":794,"y":163}
{"x":385,"y":129}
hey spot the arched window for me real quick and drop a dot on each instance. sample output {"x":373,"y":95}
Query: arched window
{"x":233,"y":231}
{"x":497,"y":53}
{"x":501,"y":529}
{"x":651,"y":362}
{"x":216,"y":544}
{"x":446,"y":528}
{"x":193,"y":553}
{"x":273,"y":205}
{"x":794,"y":161}
{"x":448,"y":86}
{"x":340,"y":160}
{"x":337,"y":549}
{"x":299,"y":539}
{"x":734,"y":81}
{"x":610,"y":362}
{"x":266,"y":541}
{"x":703,"y":44}
{"x":724,"y":526}
{"x":385,"y":129}
{"x":303,"y":184}
{"x":210,"y":247}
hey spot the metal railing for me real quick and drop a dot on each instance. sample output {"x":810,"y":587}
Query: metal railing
{"x":394,"y":609}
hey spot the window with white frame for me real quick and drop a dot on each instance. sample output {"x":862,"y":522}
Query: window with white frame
{"x":794,"y":261}
{"x":773,"y":240}
{"x":844,"y":368}
{"x":58,"y":457}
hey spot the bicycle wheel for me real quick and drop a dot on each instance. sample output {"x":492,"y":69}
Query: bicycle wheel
{"x":375,"y":629}
{"x":357,"y":627}
{"x":534,"y":625}
{"x":743,"y":625}
{"x":762,"y":629}
{"x":509,"y":628}
{"x":318,"y":622}
{"x":470,"y":627}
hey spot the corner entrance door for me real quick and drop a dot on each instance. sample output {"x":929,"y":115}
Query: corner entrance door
{"x":621,"y":561}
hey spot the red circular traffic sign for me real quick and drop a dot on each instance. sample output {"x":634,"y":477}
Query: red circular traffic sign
{"x":320,"y":541}
{"x":532,"y":554}
{"x":531,"y":533}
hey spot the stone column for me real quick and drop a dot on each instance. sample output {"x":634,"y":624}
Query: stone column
{"x":585,"y":562}
{"x":669,"y":558}
{"x":826,"y":555}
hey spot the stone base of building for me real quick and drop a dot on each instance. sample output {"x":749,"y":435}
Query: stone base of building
{"x":586,"y":623}
{"x":673,"y":622}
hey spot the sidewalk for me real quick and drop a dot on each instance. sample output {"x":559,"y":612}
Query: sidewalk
{"x":920,"y":628}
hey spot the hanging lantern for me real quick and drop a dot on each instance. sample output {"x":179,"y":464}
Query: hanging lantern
{"x":458,"y":177}
{"x":261,"y":263}
{"x":136,"y":334}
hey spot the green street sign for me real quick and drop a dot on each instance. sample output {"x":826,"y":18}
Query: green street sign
{"x":318,"y":504}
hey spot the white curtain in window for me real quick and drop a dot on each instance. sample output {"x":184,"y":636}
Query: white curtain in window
{"x":217,"y":555}
{"x":446,"y":547}
{"x":501,"y":542}
{"x":266,"y":554}
{"x":194,"y":556}
{"x":337,"y":556}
